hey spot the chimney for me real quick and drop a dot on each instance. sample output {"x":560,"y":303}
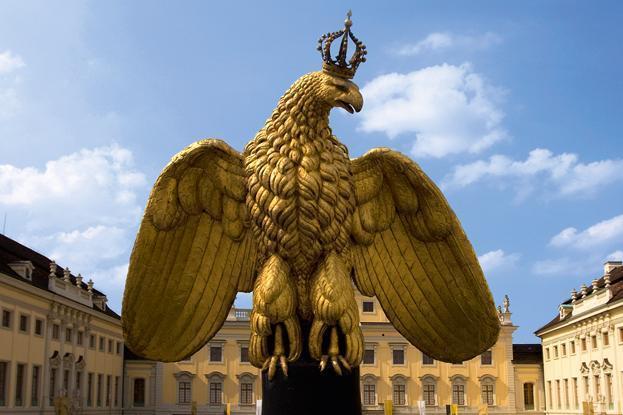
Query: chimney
{"x":610,"y":265}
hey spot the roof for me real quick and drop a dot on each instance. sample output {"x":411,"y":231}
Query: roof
{"x":12,"y":251}
{"x":616,"y":287}
{"x":527,"y":354}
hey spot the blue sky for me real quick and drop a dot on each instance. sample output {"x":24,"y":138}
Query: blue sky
{"x":514,"y":109}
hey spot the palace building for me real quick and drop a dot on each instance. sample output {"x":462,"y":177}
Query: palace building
{"x":59,"y":342}
{"x":583,"y":348}
{"x":504,"y":380}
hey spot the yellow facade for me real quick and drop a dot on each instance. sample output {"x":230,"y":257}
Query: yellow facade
{"x":56,"y":339}
{"x":215,"y":376}
{"x":583,"y":349}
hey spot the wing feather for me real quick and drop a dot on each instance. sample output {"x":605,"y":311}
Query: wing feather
{"x":192,"y":254}
{"x":410,"y":251}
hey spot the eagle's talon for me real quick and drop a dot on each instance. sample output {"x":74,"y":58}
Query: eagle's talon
{"x":278,"y":356}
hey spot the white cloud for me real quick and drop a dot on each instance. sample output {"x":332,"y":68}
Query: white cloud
{"x":498,"y":259}
{"x":594,"y":242}
{"x":606,"y":231}
{"x":9,"y":62}
{"x":82,"y":210}
{"x":437,"y":41}
{"x":448,"y":109}
{"x":616,"y":256}
{"x":560,"y":175}
{"x":9,"y":101}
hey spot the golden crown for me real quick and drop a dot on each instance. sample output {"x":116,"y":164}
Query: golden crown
{"x":340,"y":66}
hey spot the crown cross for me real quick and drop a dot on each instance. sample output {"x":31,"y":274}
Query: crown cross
{"x":340,"y":66}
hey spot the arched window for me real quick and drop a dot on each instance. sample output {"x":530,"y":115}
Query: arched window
{"x":215,"y":388}
{"x":528,"y":396}
{"x":246,"y":380}
{"x":487,"y":390}
{"x":429,"y":390}
{"x":399,"y":389}
{"x":369,"y":389}
{"x":184,"y":387}
{"x":458,"y":390}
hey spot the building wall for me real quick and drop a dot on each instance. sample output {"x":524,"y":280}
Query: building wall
{"x":585,"y":350}
{"x":66,"y":358}
{"x":505,"y":377}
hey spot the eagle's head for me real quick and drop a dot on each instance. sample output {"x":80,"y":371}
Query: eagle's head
{"x":337,"y":91}
{"x":323,"y":90}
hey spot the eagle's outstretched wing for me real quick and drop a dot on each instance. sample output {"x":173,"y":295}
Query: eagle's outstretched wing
{"x":410,"y":251}
{"x":193,"y":252}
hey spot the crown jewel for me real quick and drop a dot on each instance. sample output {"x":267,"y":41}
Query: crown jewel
{"x":340,"y":66}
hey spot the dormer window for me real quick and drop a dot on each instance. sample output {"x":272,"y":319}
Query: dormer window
{"x":23,"y":269}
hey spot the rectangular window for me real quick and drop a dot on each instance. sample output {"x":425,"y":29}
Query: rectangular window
{"x":139,"y":392}
{"x":547,"y":356}
{"x":605,"y":338}
{"x":39,"y":327}
{"x":246,"y":393}
{"x":487,"y":393}
{"x":368,"y":306}
{"x":116,"y":390}
{"x":19,"y":384}
{"x":566,"y":392}
{"x":369,"y":394}
{"x":244,"y":354}
{"x":183,"y":388}
{"x":427,"y":360}
{"x":216,"y":353}
{"x":608,"y":391}
{"x":458,"y":394}
{"x":528,"y":396}
{"x":23,"y":323}
{"x":4,"y":368}
{"x":66,"y":380}
{"x":429,"y":394}
{"x":110,"y":345}
{"x":90,"y":389}
{"x":398,"y":356}
{"x":576,"y":402}
{"x":52,"y":390}
{"x":34,"y":387}
{"x":583,"y":343}
{"x":587,"y":390}
{"x":368,"y":356}
{"x":108,"y":391}
{"x":550,"y":401}
{"x":79,"y":338}
{"x":597,"y":383}
{"x":620,"y":334}
{"x":486,"y":358}
{"x":79,"y":384}
{"x":118,"y":351}
{"x":6,"y":319}
{"x":564,"y":349}
{"x":555,"y":352}
{"x":594,"y":342}
{"x":558,"y":394}
{"x":56,"y":331}
{"x":100,"y":381}
{"x":572,"y":344}
{"x":399,"y":395}
{"x":102,"y":344}
{"x":68,"y":335}
{"x":92,"y":341}
{"x":216,"y":389}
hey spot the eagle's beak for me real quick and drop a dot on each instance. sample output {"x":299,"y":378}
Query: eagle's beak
{"x":351,"y":101}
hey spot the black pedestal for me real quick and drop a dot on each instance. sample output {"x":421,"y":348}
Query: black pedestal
{"x":307,"y":391}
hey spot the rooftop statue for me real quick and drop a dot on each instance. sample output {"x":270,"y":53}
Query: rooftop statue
{"x":295,"y":220}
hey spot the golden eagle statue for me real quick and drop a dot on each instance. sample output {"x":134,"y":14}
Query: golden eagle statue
{"x":296,"y":221}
